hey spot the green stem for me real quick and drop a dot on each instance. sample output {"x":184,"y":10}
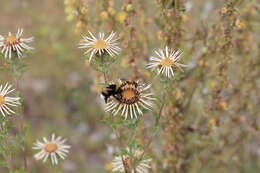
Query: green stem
{"x":157,"y":122}
{"x":17,"y":77}
{"x":104,"y":70}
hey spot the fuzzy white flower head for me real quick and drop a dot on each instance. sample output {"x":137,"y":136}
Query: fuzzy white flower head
{"x":129,"y":98}
{"x":51,"y":148}
{"x":14,"y":44}
{"x":6,"y":101}
{"x":131,"y":161}
{"x":100,"y":45}
{"x":167,"y":62}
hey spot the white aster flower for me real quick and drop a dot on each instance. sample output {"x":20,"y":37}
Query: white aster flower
{"x":100,"y":45}
{"x":166,"y":62}
{"x":7,"y":101}
{"x":51,"y":148}
{"x":130,"y":162}
{"x":130,"y":98}
{"x":14,"y":43}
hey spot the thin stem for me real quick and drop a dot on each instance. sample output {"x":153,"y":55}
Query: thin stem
{"x":17,"y":82}
{"x":160,"y":110}
{"x":104,"y":70}
{"x":157,"y":121}
{"x":105,"y":75}
{"x":121,"y":146}
{"x":133,"y":132}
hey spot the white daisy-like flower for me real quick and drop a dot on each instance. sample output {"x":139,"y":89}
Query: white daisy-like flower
{"x":130,"y":162}
{"x":51,"y":148}
{"x":7,"y":101}
{"x":100,"y":45}
{"x":166,"y":62}
{"x":129,"y":98}
{"x":14,"y":43}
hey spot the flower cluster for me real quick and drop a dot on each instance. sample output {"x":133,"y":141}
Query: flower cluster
{"x":130,"y":97}
{"x":9,"y":45}
{"x":14,"y":46}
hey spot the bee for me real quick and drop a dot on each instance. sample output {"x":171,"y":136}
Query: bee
{"x":116,"y":89}
{"x":111,"y":90}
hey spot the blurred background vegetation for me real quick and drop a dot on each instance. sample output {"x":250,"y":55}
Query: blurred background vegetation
{"x":211,"y":122}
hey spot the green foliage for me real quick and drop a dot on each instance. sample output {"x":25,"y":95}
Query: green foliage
{"x":18,"y":171}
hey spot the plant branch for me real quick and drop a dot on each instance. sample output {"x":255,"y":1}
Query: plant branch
{"x":157,"y":121}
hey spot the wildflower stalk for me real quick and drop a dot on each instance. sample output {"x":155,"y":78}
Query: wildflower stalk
{"x":131,"y":34}
{"x":106,"y":79}
{"x":133,"y":131}
{"x":157,"y":121}
{"x":8,"y":141}
{"x":4,"y":145}
{"x":104,"y":70}
{"x":18,"y":71}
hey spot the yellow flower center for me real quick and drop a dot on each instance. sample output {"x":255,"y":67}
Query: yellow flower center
{"x":11,"y":39}
{"x":50,"y":148}
{"x":2,"y":100}
{"x":128,"y":94}
{"x":167,"y":62}
{"x":100,"y":44}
